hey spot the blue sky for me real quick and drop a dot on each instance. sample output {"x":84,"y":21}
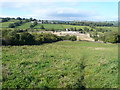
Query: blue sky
{"x":91,"y":11}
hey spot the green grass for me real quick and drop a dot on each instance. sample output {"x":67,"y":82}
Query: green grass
{"x":51,"y":26}
{"x":25,"y":26}
{"x":61,"y":65}
{"x":37,"y":26}
{"x":77,"y":27}
{"x":109,"y":28}
{"x":5,"y":24}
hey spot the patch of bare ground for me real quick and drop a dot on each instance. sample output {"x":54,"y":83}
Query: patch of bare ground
{"x":100,"y":48}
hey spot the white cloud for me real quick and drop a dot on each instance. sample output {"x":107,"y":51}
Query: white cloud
{"x":46,"y":10}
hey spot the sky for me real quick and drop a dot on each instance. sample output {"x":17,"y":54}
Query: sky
{"x":94,"y":10}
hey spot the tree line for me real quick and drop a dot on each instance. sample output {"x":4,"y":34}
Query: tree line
{"x":19,"y":37}
{"x":79,"y":23}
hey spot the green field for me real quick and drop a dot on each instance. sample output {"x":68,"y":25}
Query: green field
{"x":64,"y":64}
{"x":59,"y":26}
{"x":25,"y":26}
{"x":5,"y":24}
{"x":77,"y":27}
{"x":37,"y":26}
{"x":51,"y":26}
{"x":109,"y":28}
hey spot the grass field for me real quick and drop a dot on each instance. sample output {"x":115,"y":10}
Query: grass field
{"x":25,"y":26}
{"x":37,"y":26}
{"x":51,"y":26}
{"x":5,"y":24}
{"x":109,"y":28}
{"x":64,"y":64}
{"x":77,"y":27}
{"x":60,"y":26}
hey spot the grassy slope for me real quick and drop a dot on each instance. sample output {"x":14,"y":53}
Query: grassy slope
{"x":5,"y":24}
{"x":37,"y":26}
{"x":50,"y":26}
{"x":55,"y":26}
{"x":77,"y":27}
{"x":61,"y":64}
{"x":110,"y":28}
{"x":25,"y":26}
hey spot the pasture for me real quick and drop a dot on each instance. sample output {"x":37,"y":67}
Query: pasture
{"x":50,"y":27}
{"x":63,"y":64}
{"x":24,"y":26}
{"x":77,"y":27}
{"x":109,"y":28}
{"x":5,"y":24}
{"x":53,"y":26}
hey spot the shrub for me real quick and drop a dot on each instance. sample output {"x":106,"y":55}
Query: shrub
{"x":21,"y":37}
{"x":111,"y":37}
{"x":68,"y":37}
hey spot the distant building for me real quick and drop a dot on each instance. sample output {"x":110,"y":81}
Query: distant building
{"x":67,"y":29}
{"x":39,"y":22}
{"x":32,"y":21}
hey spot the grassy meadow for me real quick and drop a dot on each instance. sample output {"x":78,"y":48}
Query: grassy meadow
{"x":5,"y":24}
{"x":109,"y":28}
{"x":64,"y":64}
{"x":24,"y":26}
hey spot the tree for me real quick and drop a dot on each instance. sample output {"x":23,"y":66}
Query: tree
{"x":26,"y":39}
{"x":42,"y":27}
{"x":18,"y":18}
{"x":35,"y":23}
{"x":31,"y":26}
{"x":72,"y":38}
{"x":12,"y":25}
{"x":31,"y":19}
{"x":75,"y":29}
{"x":86,"y":29}
{"x":26,"y":20}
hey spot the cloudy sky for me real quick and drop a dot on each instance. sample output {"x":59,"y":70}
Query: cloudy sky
{"x":94,"y":10}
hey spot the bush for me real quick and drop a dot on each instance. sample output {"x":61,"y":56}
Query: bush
{"x":21,"y":37}
{"x":15,"y":38}
{"x":26,"y":39}
{"x":111,"y":37}
{"x":45,"y":38}
{"x":68,"y":37}
{"x":12,"y":25}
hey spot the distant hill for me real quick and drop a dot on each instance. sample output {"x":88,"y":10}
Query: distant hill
{"x":113,"y":22}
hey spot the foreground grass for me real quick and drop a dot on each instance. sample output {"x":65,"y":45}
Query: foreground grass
{"x":64,"y":64}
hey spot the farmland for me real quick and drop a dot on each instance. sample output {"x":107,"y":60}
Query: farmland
{"x":59,"y":54}
{"x":64,"y":64}
{"x":25,"y":26}
{"x":5,"y":24}
{"x":109,"y":28}
{"x":49,"y":27}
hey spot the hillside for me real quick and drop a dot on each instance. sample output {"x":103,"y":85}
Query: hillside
{"x":64,"y":64}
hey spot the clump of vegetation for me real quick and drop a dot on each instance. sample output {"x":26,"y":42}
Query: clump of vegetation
{"x":15,"y":24}
{"x":68,"y":37}
{"x":19,"y":37}
{"x":111,"y":37}
{"x":34,"y":24}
